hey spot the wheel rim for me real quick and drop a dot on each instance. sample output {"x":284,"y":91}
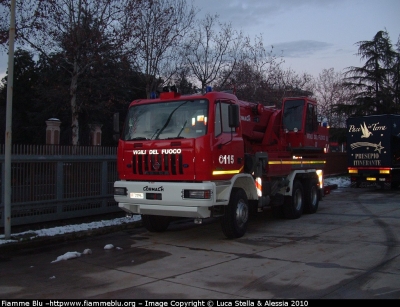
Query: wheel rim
{"x":298,"y":200}
{"x":242,"y":213}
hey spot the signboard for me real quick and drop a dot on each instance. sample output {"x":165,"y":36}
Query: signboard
{"x":371,"y":140}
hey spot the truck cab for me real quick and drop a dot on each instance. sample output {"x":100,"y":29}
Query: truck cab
{"x":180,"y":138}
{"x":301,"y":126}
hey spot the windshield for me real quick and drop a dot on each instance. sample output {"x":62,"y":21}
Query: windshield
{"x":166,"y":120}
{"x":293,"y":114}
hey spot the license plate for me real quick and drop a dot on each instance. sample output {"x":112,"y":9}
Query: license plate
{"x":136,"y":195}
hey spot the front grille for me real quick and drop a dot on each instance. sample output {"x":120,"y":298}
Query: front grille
{"x":161,"y":164}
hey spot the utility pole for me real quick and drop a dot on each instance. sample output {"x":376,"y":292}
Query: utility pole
{"x":7,"y":153}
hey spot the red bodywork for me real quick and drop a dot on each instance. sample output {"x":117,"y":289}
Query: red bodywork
{"x":213,"y":157}
{"x":264,"y":130}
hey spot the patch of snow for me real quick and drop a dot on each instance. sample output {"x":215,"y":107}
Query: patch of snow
{"x":49,"y":232}
{"x":340,"y":181}
{"x":87,"y":251}
{"x":67,"y":256}
{"x":109,"y":246}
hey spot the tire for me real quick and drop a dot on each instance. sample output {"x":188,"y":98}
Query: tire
{"x":293,"y":206}
{"x":235,"y":220}
{"x":311,"y":197}
{"x":155,"y":223}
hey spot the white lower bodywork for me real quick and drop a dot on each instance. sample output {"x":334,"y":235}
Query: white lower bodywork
{"x":173,"y":203}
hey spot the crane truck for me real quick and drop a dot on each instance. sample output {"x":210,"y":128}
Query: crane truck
{"x":373,"y":150}
{"x":212,"y":155}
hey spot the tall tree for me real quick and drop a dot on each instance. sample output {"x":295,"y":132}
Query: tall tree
{"x":79,"y":30}
{"x":162,"y":24}
{"x":286,"y":82}
{"x":181,"y":79}
{"x":259,"y":77}
{"x":373,"y":82}
{"x":250,"y":75}
{"x":52,"y":87}
{"x":396,"y":77}
{"x":211,"y":48}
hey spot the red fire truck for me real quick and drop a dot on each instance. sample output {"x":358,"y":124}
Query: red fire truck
{"x":213,"y":155}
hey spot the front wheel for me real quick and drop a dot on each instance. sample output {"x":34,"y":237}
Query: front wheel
{"x":293,"y":206}
{"x":155,"y":223}
{"x":234,"y":221}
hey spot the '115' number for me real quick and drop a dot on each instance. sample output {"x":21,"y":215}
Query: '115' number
{"x":226,"y":159}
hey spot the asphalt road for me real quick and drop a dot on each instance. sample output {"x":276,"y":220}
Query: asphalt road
{"x":349,"y":249}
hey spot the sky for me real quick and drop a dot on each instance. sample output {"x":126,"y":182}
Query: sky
{"x":339,"y":181}
{"x":312,"y":34}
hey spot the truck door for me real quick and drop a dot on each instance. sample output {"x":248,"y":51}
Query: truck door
{"x":228,"y":150}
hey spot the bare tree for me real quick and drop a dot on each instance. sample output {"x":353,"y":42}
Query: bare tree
{"x":286,"y":82}
{"x":259,"y":76}
{"x":209,"y":51}
{"x":330,"y":92}
{"x":162,"y":24}
{"x":79,"y":31}
{"x":249,"y":76}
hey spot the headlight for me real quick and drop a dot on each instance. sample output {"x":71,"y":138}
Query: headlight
{"x":197,"y":194}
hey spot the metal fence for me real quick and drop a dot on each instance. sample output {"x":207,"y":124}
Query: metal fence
{"x":52,"y":182}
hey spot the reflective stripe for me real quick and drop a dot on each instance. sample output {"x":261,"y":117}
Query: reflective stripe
{"x":299,"y":162}
{"x":236,"y":171}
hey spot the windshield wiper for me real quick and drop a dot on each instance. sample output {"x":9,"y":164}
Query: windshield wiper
{"x":168,"y":119}
{"x":155,"y":134}
{"x":183,"y":127}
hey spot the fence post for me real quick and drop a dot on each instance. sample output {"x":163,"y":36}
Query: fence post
{"x":95,"y":134}
{"x":53,"y":131}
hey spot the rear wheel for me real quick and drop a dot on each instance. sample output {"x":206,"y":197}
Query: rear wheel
{"x":311,"y":197}
{"x":155,"y":223}
{"x":234,"y":221}
{"x":293,"y":206}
